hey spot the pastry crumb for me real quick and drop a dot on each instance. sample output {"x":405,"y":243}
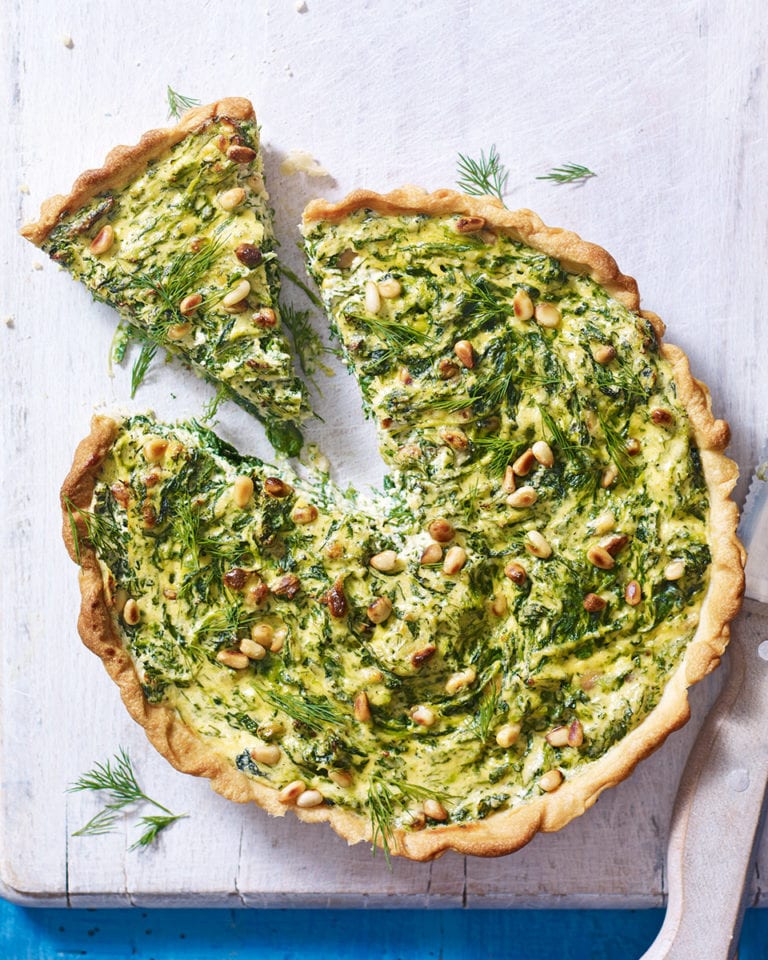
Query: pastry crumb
{"x":37,"y":265}
{"x":9,"y":321}
{"x":301,"y":7}
{"x":23,"y":188}
{"x":299,"y":161}
{"x":68,"y":42}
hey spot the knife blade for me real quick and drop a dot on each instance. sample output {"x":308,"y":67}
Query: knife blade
{"x":721,"y":800}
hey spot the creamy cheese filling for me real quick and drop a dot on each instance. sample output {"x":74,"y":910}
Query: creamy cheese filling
{"x":502,"y":614}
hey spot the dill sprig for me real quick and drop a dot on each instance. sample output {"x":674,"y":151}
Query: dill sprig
{"x":617,"y":449}
{"x":568,"y":173}
{"x":384,"y":796}
{"x":488,"y":175}
{"x":502,"y":452}
{"x":178,"y":103}
{"x":117,"y":779}
{"x":395,"y":333}
{"x":142,"y":364}
{"x":309,"y":346}
{"x":296,"y":281}
{"x":211,"y":407}
{"x":181,"y":275}
{"x":101,"y":530}
{"x":488,"y":708}
{"x":302,"y":709}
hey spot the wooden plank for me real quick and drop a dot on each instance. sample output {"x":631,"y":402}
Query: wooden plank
{"x":664,"y":103}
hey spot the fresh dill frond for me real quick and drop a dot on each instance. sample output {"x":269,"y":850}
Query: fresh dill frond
{"x":296,"y":281}
{"x":395,"y":333}
{"x":302,"y":709}
{"x":381,"y":809}
{"x":502,"y":451}
{"x":558,"y":436}
{"x":101,"y":530}
{"x":488,"y":175}
{"x":489,"y":706}
{"x":178,"y":103}
{"x":309,"y":346}
{"x":617,"y":449}
{"x":211,"y":408}
{"x":141,"y":365}
{"x":568,"y":173}
{"x":116,"y":778}
{"x":181,"y":276}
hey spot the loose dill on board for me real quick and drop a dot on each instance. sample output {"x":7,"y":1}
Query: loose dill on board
{"x":178,"y":103}
{"x":568,"y":173}
{"x":486,"y":176}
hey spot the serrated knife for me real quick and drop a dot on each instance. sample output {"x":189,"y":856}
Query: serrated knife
{"x":721,"y":801}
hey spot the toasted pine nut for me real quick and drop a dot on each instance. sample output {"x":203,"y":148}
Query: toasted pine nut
{"x":558,"y":737}
{"x":177,"y":331}
{"x":189,"y":304}
{"x":508,"y":483}
{"x":249,"y":254}
{"x":499,"y":605}
{"x":263,"y":634}
{"x":423,"y":715}
{"x":286,"y":586}
{"x":265,"y":318}
{"x":604,"y":354}
{"x":237,"y":294}
{"x":594,"y":603}
{"x":242,"y":491}
{"x":103,"y":240}
{"x":230,"y":199}
{"x":674,"y":570}
{"x":632,"y":593}
{"x":522,"y":305}
{"x":434,"y":809}
{"x":524,"y":463}
{"x":419,"y":657}
{"x":447,"y":368}
{"x":340,"y":777}
{"x":547,"y":315}
{"x":469,"y":224}
{"x":372,"y":297}
{"x":362,"y":708}
{"x":278,"y":640}
{"x":516,"y":573}
{"x":615,"y":544}
{"x":433,"y":553}
{"x":662,"y":416}
{"x":304,"y":513}
{"x":379,"y":609}
{"x":609,"y":476}
{"x":276,"y":488}
{"x":455,"y":558}
{"x":385,"y":562}
{"x":309,"y":798}
{"x":543,"y":453}
{"x":633,"y":446}
{"x":464,"y":351}
{"x":441,"y":530}
{"x":266,"y":753}
{"x":238,"y":153}
{"x":154,"y":449}
{"x":508,"y":734}
{"x":455,"y":438}
{"x":291,"y":792}
{"x":131,"y":612}
{"x":462,"y":678}
{"x":404,"y":376}
{"x":523,"y":497}
{"x":575,"y":734}
{"x":389,"y":288}
{"x":550,"y":781}
{"x":600,"y":557}
{"x":603,"y":523}
{"x":233,"y":659}
{"x":537,"y":545}
{"x":252,"y":650}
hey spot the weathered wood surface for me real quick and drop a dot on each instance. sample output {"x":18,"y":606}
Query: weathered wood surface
{"x":667,"y":103}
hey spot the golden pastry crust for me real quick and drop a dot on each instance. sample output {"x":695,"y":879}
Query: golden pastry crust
{"x":123,"y":163}
{"x":505,"y":831}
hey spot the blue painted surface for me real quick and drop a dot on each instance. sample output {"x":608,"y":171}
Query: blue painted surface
{"x":27,"y":934}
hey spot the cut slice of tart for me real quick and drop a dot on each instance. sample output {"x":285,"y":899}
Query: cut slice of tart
{"x":509,"y":628}
{"x":176,"y":234}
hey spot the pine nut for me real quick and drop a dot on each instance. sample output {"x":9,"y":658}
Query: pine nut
{"x":633,"y":446}
{"x":543,"y":453}
{"x":469,"y":224}
{"x":537,"y":545}
{"x":362,"y":708}
{"x":674,"y":570}
{"x":379,"y":609}
{"x":103,"y":240}
{"x":425,"y":716}
{"x":441,"y":530}
{"x":603,"y":523}
{"x":286,"y":586}
{"x":524,"y":497}
{"x":291,"y":792}
{"x":242,"y":491}
{"x":434,"y":809}
{"x":615,"y":544}
{"x":508,"y":483}
{"x":309,"y":798}
{"x":276,"y":488}
{"x":249,"y":254}
{"x":547,"y":315}
{"x":340,"y":777}
{"x":177,"y":331}
{"x":131,"y":612}
{"x":456,"y":439}
{"x":433,"y":553}
{"x":419,"y":657}
{"x":304,"y":513}
{"x":233,"y":659}
{"x":516,"y":573}
{"x":550,"y":781}
{"x":455,"y":558}
{"x":575,"y":734}
{"x":522,"y":305}
{"x":278,"y":640}
{"x":385,"y":562}
{"x":252,"y":650}
{"x":446,"y":369}
{"x":609,"y":476}
{"x":238,"y":153}
{"x":604,"y":354}
{"x":265,"y":318}
{"x":558,"y":737}
{"x":462,"y":678}
{"x":508,"y":734}
{"x":593,"y":603}
{"x":189,"y":304}
{"x":389,"y":288}
{"x":464,"y":351}
{"x":230,"y":199}
{"x":237,"y":294}
{"x":266,"y":753}
{"x":662,"y":416}
{"x":499,"y":605}
{"x":154,"y":449}
{"x":524,"y":463}
{"x":372,"y":297}
{"x":404,"y":376}
{"x":632,"y":593}
{"x":599,"y":557}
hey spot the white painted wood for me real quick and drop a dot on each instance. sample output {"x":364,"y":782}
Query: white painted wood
{"x":665,"y":102}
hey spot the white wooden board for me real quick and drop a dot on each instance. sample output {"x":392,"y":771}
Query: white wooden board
{"x":666,"y":102}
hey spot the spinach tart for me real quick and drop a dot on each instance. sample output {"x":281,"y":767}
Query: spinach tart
{"x":474,"y":653}
{"x":176,"y":234}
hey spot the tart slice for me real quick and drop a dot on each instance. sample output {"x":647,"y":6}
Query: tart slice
{"x":176,"y":234}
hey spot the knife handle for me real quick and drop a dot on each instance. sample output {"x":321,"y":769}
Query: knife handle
{"x":716,"y":820}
